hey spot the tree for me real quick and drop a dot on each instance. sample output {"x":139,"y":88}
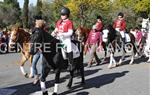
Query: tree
{"x":39,"y":7}
{"x":127,"y":7}
{"x":142,"y":5}
{"x":25,"y":13}
{"x":87,"y":10}
{"x":10,"y":12}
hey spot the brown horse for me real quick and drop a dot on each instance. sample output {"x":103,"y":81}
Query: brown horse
{"x":81,"y":34}
{"x":21,"y":39}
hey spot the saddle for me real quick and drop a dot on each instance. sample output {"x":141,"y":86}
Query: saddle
{"x":124,"y":35}
{"x":75,"y":49}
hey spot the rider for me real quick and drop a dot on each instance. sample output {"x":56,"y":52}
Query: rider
{"x":64,"y":31}
{"x":120,"y":26}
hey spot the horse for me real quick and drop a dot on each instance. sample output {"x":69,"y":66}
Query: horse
{"x":110,"y":38}
{"x":54,"y":59}
{"x":81,"y":35}
{"x":21,"y":38}
{"x":146,"y":31}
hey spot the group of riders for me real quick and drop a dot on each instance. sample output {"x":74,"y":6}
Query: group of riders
{"x":64,"y":31}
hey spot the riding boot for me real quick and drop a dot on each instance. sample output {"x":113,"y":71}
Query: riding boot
{"x":70,"y":61}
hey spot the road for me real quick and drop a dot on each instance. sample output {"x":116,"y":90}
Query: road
{"x":123,"y":80}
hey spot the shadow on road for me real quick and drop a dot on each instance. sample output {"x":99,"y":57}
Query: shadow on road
{"x":96,"y":82}
{"x":136,"y":61}
{"x":26,"y":89}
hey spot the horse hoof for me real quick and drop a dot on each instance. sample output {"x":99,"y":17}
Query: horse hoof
{"x":26,"y":75}
{"x":89,"y":65}
{"x":97,"y":64}
{"x":83,"y":83}
{"x":54,"y":94}
{"x":114,"y":66}
{"x":131,"y":63}
{"x":45,"y":93}
{"x":31,"y":76}
{"x":118,"y":64}
{"x":148,"y":61}
{"x":69,"y":86}
{"x":109,"y":66}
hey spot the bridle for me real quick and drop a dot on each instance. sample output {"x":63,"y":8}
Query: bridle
{"x":17,"y":38}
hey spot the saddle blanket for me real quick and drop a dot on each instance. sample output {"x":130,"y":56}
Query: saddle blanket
{"x":76,"y":52}
{"x":127,"y":37}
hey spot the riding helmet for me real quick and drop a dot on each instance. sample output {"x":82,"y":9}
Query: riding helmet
{"x":38,"y":17}
{"x":121,"y":14}
{"x":99,"y":17}
{"x":65,"y":11}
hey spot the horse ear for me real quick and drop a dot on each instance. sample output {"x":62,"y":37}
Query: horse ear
{"x":17,"y":28}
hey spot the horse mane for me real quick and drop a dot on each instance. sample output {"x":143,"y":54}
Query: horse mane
{"x":84,"y":30}
{"x":25,"y":36}
{"x":112,"y":32}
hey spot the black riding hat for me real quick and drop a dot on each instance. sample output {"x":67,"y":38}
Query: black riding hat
{"x":99,"y":17}
{"x":38,"y":17}
{"x":65,"y":11}
{"x":121,"y":14}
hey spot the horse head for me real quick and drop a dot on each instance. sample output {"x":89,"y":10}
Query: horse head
{"x":145,"y":25}
{"x":109,"y":33}
{"x":81,"y":33}
{"x":18,"y":35}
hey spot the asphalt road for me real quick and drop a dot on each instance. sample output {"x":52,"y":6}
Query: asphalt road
{"x":123,"y":80}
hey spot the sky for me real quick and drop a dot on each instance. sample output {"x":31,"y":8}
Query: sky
{"x":21,"y":2}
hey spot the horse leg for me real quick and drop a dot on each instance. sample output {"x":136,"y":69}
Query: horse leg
{"x":112,"y":60}
{"x":45,"y":71}
{"x":104,"y":57}
{"x":82,"y":75}
{"x":70,"y":79}
{"x":123,"y":56}
{"x":23,"y":60}
{"x":133,"y":54}
{"x":132,"y":59}
{"x":148,"y":60}
{"x":31,"y":68}
{"x":57,"y":81}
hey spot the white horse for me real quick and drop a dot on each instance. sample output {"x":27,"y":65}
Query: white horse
{"x":146,"y":29}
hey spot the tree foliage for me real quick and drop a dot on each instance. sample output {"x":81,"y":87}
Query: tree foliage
{"x":83,"y":12}
{"x":10,"y":12}
{"x":25,"y":13}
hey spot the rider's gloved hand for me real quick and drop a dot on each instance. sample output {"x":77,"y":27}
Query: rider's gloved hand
{"x":60,"y":35}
